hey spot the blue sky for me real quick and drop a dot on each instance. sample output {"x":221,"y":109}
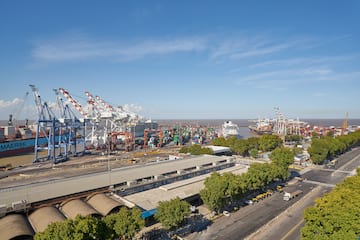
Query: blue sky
{"x":185,"y":59}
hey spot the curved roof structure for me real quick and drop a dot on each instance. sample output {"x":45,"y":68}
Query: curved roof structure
{"x":104,"y":204}
{"x":15,"y":226}
{"x":44,"y":216}
{"x":77,"y":206}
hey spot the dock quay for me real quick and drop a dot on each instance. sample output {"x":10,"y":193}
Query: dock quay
{"x":113,"y":188}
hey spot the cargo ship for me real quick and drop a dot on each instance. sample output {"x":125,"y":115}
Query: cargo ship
{"x":19,"y":146}
{"x":262,"y":126}
{"x":17,"y":140}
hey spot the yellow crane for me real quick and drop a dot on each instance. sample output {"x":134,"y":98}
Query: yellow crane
{"x":344,"y":124}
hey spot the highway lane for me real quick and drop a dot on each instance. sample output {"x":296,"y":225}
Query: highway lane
{"x":288,"y":224}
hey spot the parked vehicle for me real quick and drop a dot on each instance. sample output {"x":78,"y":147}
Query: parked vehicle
{"x":226,"y":213}
{"x":279,"y":188}
{"x":290,"y":195}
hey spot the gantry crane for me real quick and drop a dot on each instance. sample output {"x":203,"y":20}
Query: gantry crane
{"x":46,"y":127}
{"x":74,"y":129}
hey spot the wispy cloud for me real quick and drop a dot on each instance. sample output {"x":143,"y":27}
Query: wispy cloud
{"x":308,"y":61}
{"x":255,"y":46}
{"x":82,"y":48}
{"x":284,"y":79}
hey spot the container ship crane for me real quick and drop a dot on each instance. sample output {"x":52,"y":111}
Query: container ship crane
{"x":47,"y":125}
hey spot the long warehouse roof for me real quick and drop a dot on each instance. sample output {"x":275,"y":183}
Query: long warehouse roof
{"x":183,"y":189}
{"x":36,"y":192}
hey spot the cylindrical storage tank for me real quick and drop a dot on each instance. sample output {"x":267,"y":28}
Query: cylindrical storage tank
{"x":104,"y":204}
{"x":15,"y":226}
{"x":41,"y":218}
{"x":74,"y":207}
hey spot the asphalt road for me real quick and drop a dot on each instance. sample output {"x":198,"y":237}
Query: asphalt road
{"x":274,"y":218}
{"x":248,"y":219}
{"x":288,"y":224}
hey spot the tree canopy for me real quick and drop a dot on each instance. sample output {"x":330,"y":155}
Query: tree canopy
{"x":220,"y":188}
{"x":172,"y":213}
{"x":328,"y":147}
{"x":124,"y":224}
{"x":281,"y":158}
{"x":250,"y":146}
{"x":215,"y":191}
{"x":336,"y":214}
{"x":196,"y":150}
{"x":80,"y":228}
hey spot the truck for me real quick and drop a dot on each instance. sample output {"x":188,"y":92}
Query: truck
{"x":290,"y":195}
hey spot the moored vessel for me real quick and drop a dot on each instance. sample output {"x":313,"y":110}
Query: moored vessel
{"x":230,"y":129}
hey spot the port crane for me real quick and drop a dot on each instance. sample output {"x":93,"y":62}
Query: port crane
{"x":88,"y":118}
{"x":74,"y":129}
{"x":284,"y":126}
{"x":46,"y":127}
{"x":280,"y":124}
{"x":114,"y":123}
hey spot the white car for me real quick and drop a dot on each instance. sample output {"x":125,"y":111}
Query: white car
{"x":226,"y":213}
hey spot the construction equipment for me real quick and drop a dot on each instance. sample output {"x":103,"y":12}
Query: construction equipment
{"x":345,"y":124}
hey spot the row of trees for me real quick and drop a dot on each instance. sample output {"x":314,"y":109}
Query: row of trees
{"x":196,"y":150}
{"x":122,"y":225}
{"x":250,"y":146}
{"x":336,"y":214}
{"x":328,"y":147}
{"x":221,"y":188}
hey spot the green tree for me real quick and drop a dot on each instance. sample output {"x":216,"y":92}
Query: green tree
{"x":220,"y":141}
{"x":253,"y":142}
{"x":241,"y":147}
{"x":258,"y":176}
{"x":318,"y":151}
{"x":172,"y":213}
{"x":269,"y":142}
{"x":336,"y":214}
{"x":282,"y":157}
{"x":57,"y":231}
{"x":297,"y":150}
{"x":213,"y":195}
{"x":196,"y":150}
{"x":87,"y":228}
{"x":254,"y":152}
{"x":81,"y":228}
{"x":124,"y":224}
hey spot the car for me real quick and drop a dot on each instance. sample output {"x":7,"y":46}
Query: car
{"x":226,"y":213}
{"x":249,"y":202}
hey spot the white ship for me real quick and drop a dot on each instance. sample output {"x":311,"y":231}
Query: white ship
{"x":230,"y":129}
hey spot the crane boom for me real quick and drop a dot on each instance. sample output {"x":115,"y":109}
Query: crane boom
{"x":75,"y":103}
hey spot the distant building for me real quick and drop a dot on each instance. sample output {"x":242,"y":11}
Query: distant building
{"x":220,"y":151}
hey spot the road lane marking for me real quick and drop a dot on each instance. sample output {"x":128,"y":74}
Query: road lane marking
{"x":292,"y":229}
